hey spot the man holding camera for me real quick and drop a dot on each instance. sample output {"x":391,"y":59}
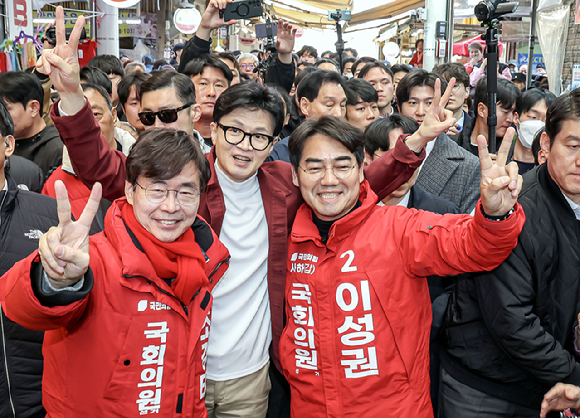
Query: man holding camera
{"x":280,"y":72}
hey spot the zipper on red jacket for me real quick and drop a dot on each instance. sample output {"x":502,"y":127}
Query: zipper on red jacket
{"x":226,"y":260}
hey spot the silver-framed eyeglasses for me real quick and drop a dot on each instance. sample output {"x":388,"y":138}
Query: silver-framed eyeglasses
{"x":158,"y":192}
{"x":235,"y":136}
{"x":457,"y":87}
{"x":316,"y":173}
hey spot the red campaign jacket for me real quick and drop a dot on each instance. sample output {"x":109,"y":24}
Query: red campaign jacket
{"x":356,"y":343}
{"x":78,"y":193}
{"x":129,"y":348}
{"x":94,"y":160}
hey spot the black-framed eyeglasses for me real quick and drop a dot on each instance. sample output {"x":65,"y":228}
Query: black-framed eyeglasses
{"x":317,"y":173}
{"x":165,"y":115}
{"x":234,"y":136}
{"x":158,"y":192}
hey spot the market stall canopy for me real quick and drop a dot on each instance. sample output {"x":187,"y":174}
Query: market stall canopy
{"x":461,"y":48}
{"x":314,"y":12}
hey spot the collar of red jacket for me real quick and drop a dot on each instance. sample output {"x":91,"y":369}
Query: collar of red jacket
{"x":304,"y":229}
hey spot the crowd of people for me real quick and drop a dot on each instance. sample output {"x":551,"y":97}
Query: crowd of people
{"x":277,"y":236}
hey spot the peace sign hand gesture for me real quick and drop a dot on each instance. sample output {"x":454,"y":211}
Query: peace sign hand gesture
{"x":500,"y":183}
{"x":437,"y":119}
{"x":64,"y":249}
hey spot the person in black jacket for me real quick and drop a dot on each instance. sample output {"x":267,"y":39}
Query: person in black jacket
{"x":35,"y":141}
{"x":24,"y":217}
{"x":282,"y":70}
{"x":509,"y":334}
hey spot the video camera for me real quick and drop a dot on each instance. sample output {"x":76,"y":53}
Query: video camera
{"x":50,"y":34}
{"x":339,"y":15}
{"x":487,"y":11}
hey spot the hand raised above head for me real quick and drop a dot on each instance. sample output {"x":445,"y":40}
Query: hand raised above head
{"x":64,"y":249}
{"x":61,"y":63}
{"x":211,"y":17}
{"x":286,"y":37}
{"x":500,"y":183}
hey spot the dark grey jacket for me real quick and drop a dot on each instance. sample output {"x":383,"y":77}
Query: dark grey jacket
{"x":452,"y":173}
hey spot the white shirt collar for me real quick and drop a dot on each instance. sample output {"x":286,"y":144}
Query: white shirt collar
{"x":574,"y":206}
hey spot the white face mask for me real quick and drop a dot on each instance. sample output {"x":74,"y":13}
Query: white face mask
{"x":528,"y":130}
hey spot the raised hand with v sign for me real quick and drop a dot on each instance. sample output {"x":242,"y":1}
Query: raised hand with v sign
{"x":62,"y":64}
{"x":437,"y":120}
{"x":500,"y":182}
{"x":64,"y":249}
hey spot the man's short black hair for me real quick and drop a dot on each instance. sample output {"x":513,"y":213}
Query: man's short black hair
{"x":453,"y":69}
{"x":110,"y":64}
{"x":400,"y":68}
{"x":99,"y":89}
{"x":507,"y":94}
{"x":310,"y":49}
{"x":417,"y":78}
{"x":124,"y":87}
{"x":6,"y":122}
{"x":377,"y":133}
{"x":354,"y":52}
{"x":375,"y":64}
{"x":324,"y":53}
{"x":251,"y":96}
{"x":361,"y":61}
{"x":310,"y":86}
{"x":358,"y":90}
{"x":284,"y":95}
{"x":184,"y":88}
{"x":565,"y":107}
{"x":347,"y":59}
{"x":327,"y":61}
{"x":302,"y":74}
{"x":530,"y":97}
{"x":196,"y":66}
{"x":21,"y":87}
{"x":334,"y":127}
{"x":536,"y":145}
{"x":93,"y":75}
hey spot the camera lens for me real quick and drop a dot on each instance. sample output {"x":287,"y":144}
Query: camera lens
{"x":243,"y":10}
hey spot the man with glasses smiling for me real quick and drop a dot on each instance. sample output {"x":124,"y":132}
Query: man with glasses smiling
{"x":248,"y":304}
{"x":356,"y":299}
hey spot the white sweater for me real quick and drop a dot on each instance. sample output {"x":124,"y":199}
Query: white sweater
{"x":241,"y":329}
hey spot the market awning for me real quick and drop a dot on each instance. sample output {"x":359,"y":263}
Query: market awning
{"x":385,"y":11}
{"x":310,"y":13}
{"x":462,"y":47}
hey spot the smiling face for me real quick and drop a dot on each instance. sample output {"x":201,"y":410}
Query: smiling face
{"x":240,"y":162}
{"x":330,"y":197}
{"x":208,"y":87}
{"x":167,"y":220}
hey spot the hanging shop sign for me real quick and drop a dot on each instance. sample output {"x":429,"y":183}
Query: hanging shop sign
{"x":187,"y":20}
{"x":19,"y":17}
